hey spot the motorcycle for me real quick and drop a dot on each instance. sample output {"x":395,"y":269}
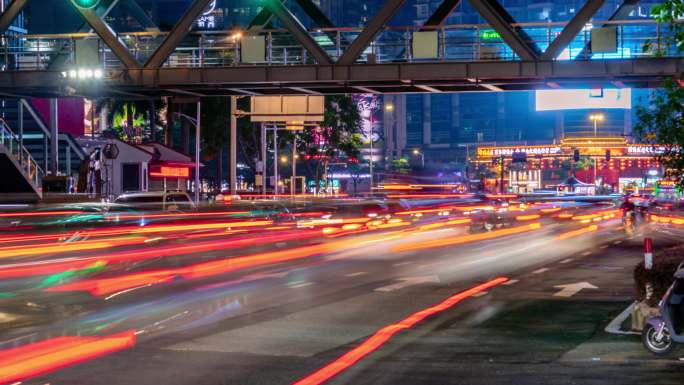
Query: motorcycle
{"x":629,"y":222}
{"x":662,"y":333}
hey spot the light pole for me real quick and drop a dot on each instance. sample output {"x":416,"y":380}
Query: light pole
{"x":596,"y":118}
{"x":196,"y":122}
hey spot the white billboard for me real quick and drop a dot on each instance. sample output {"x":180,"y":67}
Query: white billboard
{"x":553,"y":100}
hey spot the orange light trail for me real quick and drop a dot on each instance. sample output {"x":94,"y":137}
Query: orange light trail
{"x":174,"y":215}
{"x":132,"y":230}
{"x":576,"y":233}
{"x":58,"y":248}
{"x":43,"y":268}
{"x":382,"y":336}
{"x":18,"y":364}
{"x":41,"y":214}
{"x":466,"y":238}
{"x":530,"y":217}
{"x":425,"y":196}
{"x":106,"y":286}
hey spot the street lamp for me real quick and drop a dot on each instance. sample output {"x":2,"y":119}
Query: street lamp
{"x":389,"y":107}
{"x":596,"y":118}
{"x":196,"y":122}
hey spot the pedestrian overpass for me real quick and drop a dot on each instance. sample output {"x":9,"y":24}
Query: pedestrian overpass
{"x":260,"y":59}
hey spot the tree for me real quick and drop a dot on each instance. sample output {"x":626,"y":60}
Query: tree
{"x":662,"y":121}
{"x":337,"y":137}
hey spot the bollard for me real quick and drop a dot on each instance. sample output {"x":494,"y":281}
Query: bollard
{"x":648,"y":253}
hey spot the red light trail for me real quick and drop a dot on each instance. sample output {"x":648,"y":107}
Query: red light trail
{"x":383,"y":335}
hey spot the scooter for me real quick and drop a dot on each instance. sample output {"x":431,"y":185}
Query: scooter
{"x":662,"y":333}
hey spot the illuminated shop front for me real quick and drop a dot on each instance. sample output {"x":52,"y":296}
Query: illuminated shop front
{"x":611,"y":162}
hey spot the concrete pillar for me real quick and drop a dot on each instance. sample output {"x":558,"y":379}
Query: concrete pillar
{"x":104,"y":117}
{"x":427,"y":120}
{"x":233,"y":145}
{"x":628,"y":123}
{"x":168,"y":130}
{"x":560,"y":126}
{"x":20,"y":105}
{"x":54,"y":135}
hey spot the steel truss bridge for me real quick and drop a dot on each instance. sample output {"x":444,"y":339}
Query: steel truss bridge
{"x":329,"y":59}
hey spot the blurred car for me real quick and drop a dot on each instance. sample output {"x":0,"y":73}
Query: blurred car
{"x":159,"y":200}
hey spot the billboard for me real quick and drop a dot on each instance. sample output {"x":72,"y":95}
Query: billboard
{"x":554,"y":100}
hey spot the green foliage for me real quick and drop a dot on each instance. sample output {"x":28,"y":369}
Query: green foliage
{"x":215,"y":123}
{"x":401,"y":166}
{"x":584,"y":164}
{"x":662,"y":122}
{"x":671,"y":12}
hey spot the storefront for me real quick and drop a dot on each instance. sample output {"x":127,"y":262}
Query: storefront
{"x":611,"y":163}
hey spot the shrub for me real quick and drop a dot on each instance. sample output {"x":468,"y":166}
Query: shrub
{"x":661,"y":276}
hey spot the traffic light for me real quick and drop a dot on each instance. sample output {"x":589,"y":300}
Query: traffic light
{"x":86,"y":3}
{"x":576,"y":156}
{"x":607,"y":155}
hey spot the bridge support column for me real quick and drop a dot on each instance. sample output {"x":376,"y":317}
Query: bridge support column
{"x":233,"y":145}
{"x":54,"y":136}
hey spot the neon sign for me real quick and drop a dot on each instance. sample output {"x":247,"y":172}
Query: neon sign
{"x":207,"y":20}
{"x":489,"y":34}
{"x":171,"y":172}
{"x":508,"y":151}
{"x":646,"y":150}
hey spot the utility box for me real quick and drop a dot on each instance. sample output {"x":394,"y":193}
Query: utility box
{"x":425,"y":45}
{"x":604,"y":40}
{"x":253,"y":49}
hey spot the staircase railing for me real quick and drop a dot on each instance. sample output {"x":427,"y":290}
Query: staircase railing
{"x":29,"y":166}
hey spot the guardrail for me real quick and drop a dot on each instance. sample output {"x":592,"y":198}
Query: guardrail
{"x":28,"y":165}
{"x":463,"y":42}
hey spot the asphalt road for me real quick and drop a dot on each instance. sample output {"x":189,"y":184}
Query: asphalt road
{"x":284,"y":304}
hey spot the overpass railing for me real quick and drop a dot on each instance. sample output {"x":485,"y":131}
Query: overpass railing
{"x":472,"y":42}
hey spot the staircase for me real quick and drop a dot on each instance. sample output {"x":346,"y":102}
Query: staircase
{"x":36,"y":136}
{"x":21,"y":175}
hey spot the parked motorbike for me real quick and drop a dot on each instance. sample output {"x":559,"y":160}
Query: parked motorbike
{"x":663,"y":332}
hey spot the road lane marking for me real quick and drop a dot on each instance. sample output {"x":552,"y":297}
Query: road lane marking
{"x":542,"y":270}
{"x":586,"y":253}
{"x":571,"y":289}
{"x":604,"y":246}
{"x":617,"y":242}
{"x":400,"y":264}
{"x":511,"y":282}
{"x":563,"y":262}
{"x":480,"y":294}
{"x":407,"y":282}
{"x":357,"y":274}
{"x":382,"y":336}
{"x":381,"y":240}
{"x":300,"y":285}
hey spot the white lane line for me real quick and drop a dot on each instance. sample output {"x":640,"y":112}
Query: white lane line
{"x":586,"y":253}
{"x":299,"y":285}
{"x":563,"y":262}
{"x":380,"y":240}
{"x":511,"y":282}
{"x":400,"y":264}
{"x":604,"y":246}
{"x":480,"y":294}
{"x":617,"y":242}
{"x":542,"y":270}
{"x":358,"y":273}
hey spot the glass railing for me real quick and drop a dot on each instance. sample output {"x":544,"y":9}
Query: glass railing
{"x":13,"y":146}
{"x":635,"y":38}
